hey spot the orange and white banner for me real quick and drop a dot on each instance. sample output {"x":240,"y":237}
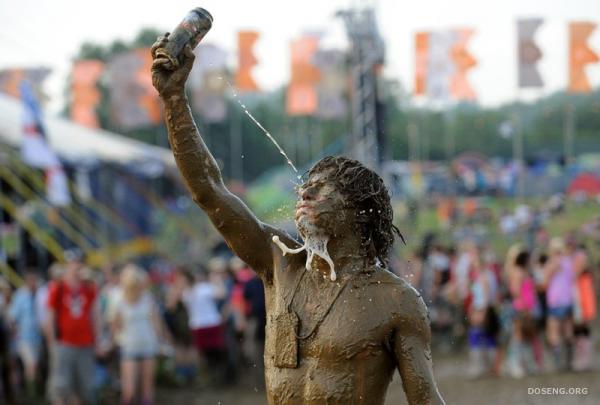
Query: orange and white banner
{"x":442,"y":62}
{"x":580,"y":55}
{"x":302,"y":96}
{"x":148,"y":98}
{"x":421,"y":62}
{"x":440,"y":65}
{"x":84,"y":92}
{"x":460,"y":88}
{"x":244,"y":81}
{"x":134,"y":102}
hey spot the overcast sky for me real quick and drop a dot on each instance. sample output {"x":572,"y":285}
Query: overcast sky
{"x":49,"y":33}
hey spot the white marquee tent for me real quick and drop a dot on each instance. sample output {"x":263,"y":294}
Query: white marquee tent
{"x":76,"y":143}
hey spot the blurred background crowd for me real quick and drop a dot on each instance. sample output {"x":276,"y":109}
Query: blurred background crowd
{"x":91,"y":335}
{"x":118,"y":330}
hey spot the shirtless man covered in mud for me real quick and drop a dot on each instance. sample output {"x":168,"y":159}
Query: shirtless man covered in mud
{"x":338,"y":322}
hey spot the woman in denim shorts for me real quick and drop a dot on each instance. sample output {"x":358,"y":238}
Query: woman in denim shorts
{"x":137,"y":322}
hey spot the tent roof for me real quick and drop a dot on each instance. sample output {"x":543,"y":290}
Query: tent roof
{"x":587,"y":183}
{"x":77,"y":143}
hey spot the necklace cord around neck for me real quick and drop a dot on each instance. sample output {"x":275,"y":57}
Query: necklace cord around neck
{"x":322,"y":318}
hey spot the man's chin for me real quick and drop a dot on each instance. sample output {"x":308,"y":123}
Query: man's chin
{"x":307,"y":228}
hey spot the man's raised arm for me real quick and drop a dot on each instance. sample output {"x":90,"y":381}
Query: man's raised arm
{"x":245,"y":234}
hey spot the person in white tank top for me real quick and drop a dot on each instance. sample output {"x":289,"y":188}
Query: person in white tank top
{"x":138,"y":325}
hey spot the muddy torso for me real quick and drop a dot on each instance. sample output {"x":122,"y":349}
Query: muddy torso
{"x":348,"y":358}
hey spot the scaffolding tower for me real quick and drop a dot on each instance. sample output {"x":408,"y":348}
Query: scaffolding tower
{"x":367,"y":53}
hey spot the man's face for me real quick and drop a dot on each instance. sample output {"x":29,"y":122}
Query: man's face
{"x":320,"y":207}
{"x":31,"y":281}
{"x":73,"y":271}
{"x":109,"y":275}
{"x":180,"y":280}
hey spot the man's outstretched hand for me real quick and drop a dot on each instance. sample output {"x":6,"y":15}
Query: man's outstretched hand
{"x":167,"y":80}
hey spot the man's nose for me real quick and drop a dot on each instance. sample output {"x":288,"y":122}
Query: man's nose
{"x":308,"y":193}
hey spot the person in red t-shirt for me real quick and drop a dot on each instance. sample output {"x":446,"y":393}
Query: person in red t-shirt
{"x":72,"y":322}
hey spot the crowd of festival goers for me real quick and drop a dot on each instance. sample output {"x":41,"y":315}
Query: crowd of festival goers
{"x":74,"y":334}
{"x":526,"y":313}
{"x":80,"y":333}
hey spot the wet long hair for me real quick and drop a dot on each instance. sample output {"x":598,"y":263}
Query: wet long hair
{"x":364,"y":191}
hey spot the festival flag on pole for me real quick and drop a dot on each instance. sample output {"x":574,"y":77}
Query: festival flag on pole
{"x":10,"y":79}
{"x":421,"y":62}
{"x":36,"y":150}
{"x":244,"y":81}
{"x":334,"y":83}
{"x":441,"y":64}
{"x":302,"y":97}
{"x":528,"y":53}
{"x":85,"y":94}
{"x":149,"y":99}
{"x":134,"y":102}
{"x":580,"y":55}
{"x":460,"y":88}
{"x":208,"y":83}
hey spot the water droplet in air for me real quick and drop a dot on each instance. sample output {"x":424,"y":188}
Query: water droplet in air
{"x":258,"y":124}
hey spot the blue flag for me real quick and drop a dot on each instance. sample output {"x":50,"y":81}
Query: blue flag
{"x":36,"y":150}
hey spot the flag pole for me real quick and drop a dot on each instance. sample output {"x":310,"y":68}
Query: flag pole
{"x":518,"y":152}
{"x":235,"y":133}
{"x":569,"y":131}
{"x":517,"y":146}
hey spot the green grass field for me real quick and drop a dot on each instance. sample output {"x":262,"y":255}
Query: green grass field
{"x":574,"y":216}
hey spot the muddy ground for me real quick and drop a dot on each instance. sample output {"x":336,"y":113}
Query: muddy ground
{"x":454,"y":385}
